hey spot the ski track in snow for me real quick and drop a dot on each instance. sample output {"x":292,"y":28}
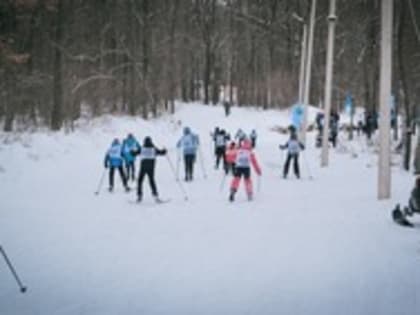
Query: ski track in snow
{"x":321,"y":246}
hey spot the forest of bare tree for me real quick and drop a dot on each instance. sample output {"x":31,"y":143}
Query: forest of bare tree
{"x":62,"y":58}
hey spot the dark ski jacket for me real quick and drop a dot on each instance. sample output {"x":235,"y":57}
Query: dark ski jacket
{"x":148,"y":153}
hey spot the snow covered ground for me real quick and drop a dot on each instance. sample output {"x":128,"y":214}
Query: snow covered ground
{"x":321,"y":246}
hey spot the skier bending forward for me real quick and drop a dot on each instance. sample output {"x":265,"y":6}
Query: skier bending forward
{"x":244,"y":157}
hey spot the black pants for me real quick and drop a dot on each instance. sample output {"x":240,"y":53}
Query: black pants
{"x":150,"y":172}
{"x":295,"y":164}
{"x":220,"y":155}
{"x":253,"y":142}
{"x":229,"y":167}
{"x":189,"y":160}
{"x":130,"y":169}
{"x":111,"y":175}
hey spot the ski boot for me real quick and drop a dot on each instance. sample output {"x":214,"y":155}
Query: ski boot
{"x":232,"y":195}
{"x":127,"y":188}
{"x":139,"y":198}
{"x":250,"y":197}
{"x":111,"y":188}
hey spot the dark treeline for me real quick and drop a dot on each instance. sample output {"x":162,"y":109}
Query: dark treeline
{"x":59,"y":58}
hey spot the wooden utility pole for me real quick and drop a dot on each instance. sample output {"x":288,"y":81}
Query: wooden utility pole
{"x":307,"y":86}
{"x":384,"y":162}
{"x":302,"y":62}
{"x":332,"y":19}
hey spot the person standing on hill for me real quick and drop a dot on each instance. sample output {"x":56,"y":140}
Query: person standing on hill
{"x":130,"y":144}
{"x":220,"y":145}
{"x":244,"y":158}
{"x":230,"y":155}
{"x":114,"y":160}
{"x":253,"y":138}
{"x":293,"y":147}
{"x":148,"y":153}
{"x":188,"y":143}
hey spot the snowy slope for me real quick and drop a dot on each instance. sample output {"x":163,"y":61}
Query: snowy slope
{"x":321,"y":246}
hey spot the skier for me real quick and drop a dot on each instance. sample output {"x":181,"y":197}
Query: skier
{"x":414,"y":200}
{"x":293,"y":147}
{"x":253,"y":137}
{"x":333,"y":130}
{"x":220,"y":146}
{"x":189,"y":143}
{"x":130,"y":144}
{"x":230,"y":155}
{"x":240,"y":135}
{"x":244,"y":158}
{"x":114,"y":160}
{"x":319,"y":126}
{"x":148,"y":153}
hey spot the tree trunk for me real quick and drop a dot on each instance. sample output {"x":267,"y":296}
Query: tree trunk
{"x":57,"y":110}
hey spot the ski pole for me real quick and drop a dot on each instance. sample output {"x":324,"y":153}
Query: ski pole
{"x":21,"y":286}
{"x":259,"y":183}
{"x":100,"y":182}
{"x":307,"y":166}
{"x":178,"y":161}
{"x":222,"y":183}
{"x":181,"y":187}
{"x":202,"y":162}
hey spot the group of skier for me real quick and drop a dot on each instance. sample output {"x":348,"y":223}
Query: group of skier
{"x":236,"y":155}
{"x":119,"y":155}
{"x":333,"y":128}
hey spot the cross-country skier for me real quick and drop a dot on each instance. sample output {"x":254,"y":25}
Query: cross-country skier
{"x":130,"y":144}
{"x":148,"y":153}
{"x":333,"y":132}
{"x":230,"y":156}
{"x":414,"y":200}
{"x":240,"y":135}
{"x":220,"y":147}
{"x":189,"y":143}
{"x":293,"y":147}
{"x":114,"y":160}
{"x":253,"y":137}
{"x":244,"y":158}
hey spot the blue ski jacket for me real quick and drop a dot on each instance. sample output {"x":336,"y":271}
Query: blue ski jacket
{"x":130,"y":144}
{"x":189,"y":142}
{"x":113,"y":157}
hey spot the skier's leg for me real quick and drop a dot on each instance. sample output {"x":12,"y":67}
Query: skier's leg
{"x":296,"y":165}
{"x":191,"y":166}
{"x":140,"y":184}
{"x":111,"y":178}
{"x":133,"y":170}
{"x":218,"y":157}
{"x":225,"y":163}
{"x":123,"y":176}
{"x":186,"y":167}
{"x":248,"y":183}
{"x":235,"y":184}
{"x":151,"y":175}
{"x":127,"y":169}
{"x":286,"y":165}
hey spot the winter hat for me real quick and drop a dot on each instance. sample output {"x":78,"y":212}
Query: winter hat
{"x":115,"y":141}
{"x":148,"y":142}
{"x":187,"y":130}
